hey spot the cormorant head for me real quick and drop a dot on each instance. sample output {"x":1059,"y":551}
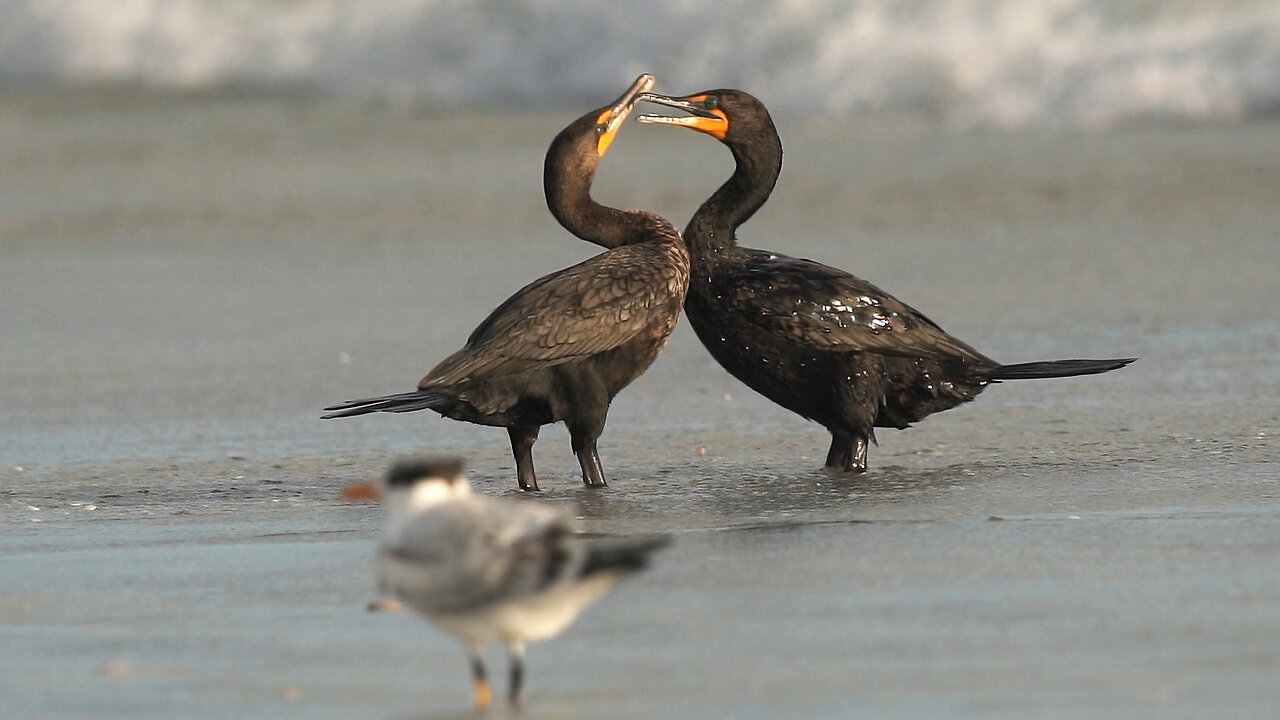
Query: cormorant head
{"x":587,"y":139}
{"x":728,"y":115}
{"x":609,"y":119}
{"x":573,"y":158}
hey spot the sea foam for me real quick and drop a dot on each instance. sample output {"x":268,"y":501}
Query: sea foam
{"x":986,"y":62}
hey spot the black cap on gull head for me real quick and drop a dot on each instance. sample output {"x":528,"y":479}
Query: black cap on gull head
{"x":405,"y":473}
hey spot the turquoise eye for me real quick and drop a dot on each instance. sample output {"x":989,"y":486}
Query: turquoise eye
{"x":711,"y":103}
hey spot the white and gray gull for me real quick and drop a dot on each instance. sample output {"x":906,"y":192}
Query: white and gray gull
{"x":491,"y":570}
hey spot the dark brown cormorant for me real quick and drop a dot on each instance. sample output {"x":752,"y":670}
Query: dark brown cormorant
{"x":564,"y":345}
{"x":816,"y":340}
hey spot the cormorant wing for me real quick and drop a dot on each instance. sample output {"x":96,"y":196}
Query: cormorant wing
{"x":829,"y":309}
{"x":583,"y":310}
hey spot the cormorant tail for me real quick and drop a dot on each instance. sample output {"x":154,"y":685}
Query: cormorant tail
{"x":1056,"y":368}
{"x":621,"y":555}
{"x":404,"y":402}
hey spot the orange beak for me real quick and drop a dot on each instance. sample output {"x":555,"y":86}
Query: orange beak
{"x":360,"y":492}
{"x":611,"y":118}
{"x":712,"y":122}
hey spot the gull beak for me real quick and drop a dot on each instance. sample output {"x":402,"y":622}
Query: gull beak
{"x":360,"y":492}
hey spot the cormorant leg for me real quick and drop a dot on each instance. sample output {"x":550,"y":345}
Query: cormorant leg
{"x":516,"y":652}
{"x":587,"y":401}
{"x":848,"y":451}
{"x":481,"y":693}
{"x":858,"y":463}
{"x":841,"y":449}
{"x":592,"y":472}
{"x":522,"y":439}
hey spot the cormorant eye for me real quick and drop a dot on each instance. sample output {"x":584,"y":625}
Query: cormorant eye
{"x":600,"y":129}
{"x":711,"y":103}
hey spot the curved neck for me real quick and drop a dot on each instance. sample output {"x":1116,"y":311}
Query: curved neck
{"x":579,"y":214}
{"x":568,"y":193}
{"x":713,"y":226}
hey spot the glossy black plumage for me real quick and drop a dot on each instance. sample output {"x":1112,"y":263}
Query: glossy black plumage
{"x":563,"y":346}
{"x":815,"y":339}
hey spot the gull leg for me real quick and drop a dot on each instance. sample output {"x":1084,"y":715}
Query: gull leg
{"x":516,"y":652}
{"x":480,"y":692}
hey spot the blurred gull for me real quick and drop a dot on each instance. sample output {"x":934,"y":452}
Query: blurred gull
{"x":489,"y":570}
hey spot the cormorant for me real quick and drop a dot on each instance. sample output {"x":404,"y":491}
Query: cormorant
{"x":814,"y":339}
{"x":564,"y":345}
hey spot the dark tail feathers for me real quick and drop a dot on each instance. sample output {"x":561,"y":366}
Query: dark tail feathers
{"x":627,"y":555}
{"x":1056,"y":368}
{"x":404,"y":402}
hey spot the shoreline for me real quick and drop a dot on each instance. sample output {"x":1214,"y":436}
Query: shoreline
{"x":186,"y":284}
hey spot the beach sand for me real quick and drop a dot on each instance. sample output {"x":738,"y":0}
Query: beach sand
{"x":187,"y":279}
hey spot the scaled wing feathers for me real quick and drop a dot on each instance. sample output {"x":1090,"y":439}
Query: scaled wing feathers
{"x":585,"y":309}
{"x":775,"y":292}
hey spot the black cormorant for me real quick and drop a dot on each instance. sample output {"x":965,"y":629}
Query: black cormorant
{"x":814,"y":339}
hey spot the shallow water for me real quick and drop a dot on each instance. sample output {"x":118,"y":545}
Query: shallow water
{"x":188,"y":279}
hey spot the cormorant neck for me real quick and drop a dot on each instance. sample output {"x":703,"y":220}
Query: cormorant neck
{"x":568,"y":192}
{"x":713,"y":226}
{"x":589,"y":220}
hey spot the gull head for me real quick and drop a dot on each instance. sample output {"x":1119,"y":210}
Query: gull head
{"x":418,"y":483}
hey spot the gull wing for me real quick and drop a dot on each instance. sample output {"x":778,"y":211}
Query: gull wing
{"x":470,"y":555}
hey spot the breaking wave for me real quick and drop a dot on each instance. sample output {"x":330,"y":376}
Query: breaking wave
{"x":1007,"y":63}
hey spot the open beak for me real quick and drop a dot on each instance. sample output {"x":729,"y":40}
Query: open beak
{"x":711,"y":122}
{"x":611,"y":118}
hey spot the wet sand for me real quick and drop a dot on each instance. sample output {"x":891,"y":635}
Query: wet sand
{"x":186,"y":280}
